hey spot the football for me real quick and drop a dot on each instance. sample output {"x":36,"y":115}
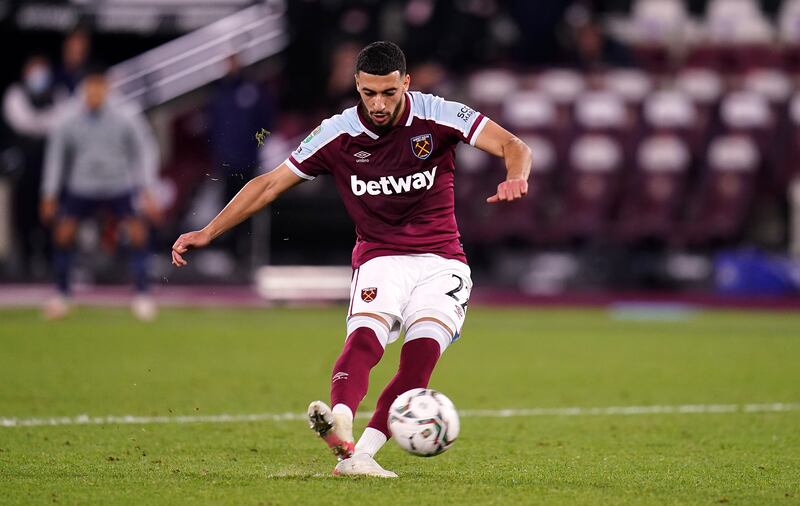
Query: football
{"x":424,"y":422}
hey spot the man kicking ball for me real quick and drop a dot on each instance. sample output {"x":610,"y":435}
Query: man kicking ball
{"x":392,"y":158}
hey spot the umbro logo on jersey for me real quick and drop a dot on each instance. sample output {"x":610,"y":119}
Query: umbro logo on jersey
{"x":362,"y":157}
{"x":390,"y":185}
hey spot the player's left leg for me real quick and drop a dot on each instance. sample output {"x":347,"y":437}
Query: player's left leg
{"x":142,"y":306}
{"x":426,"y":339}
{"x":433,"y":319}
{"x":418,"y":357}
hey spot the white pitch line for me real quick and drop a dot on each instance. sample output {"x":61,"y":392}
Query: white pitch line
{"x":468,"y":413}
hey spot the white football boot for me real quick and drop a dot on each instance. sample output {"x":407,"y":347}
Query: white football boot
{"x":144,"y":308}
{"x":361,"y":464}
{"x":336,"y":429}
{"x":56,"y":308}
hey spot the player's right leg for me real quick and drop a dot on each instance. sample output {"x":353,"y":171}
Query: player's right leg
{"x":366,"y":340}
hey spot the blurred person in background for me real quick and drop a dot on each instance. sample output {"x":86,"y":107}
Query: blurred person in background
{"x":239,"y":109}
{"x":100,"y":157}
{"x":588,"y":46}
{"x":29,"y":109}
{"x":339,"y":90}
{"x":75,"y":53}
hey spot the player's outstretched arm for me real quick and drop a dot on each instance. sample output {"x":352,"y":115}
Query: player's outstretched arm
{"x":255,"y":195}
{"x":498,"y":141}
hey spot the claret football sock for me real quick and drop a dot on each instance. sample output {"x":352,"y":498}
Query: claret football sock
{"x":350,"y":376}
{"x":417,"y":360}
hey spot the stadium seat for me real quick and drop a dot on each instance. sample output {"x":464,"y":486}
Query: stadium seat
{"x":653,"y":198}
{"x":720,"y":208}
{"x":515,"y":223}
{"x":562,"y":85}
{"x":487,"y":89}
{"x":748,"y":113}
{"x":672,"y":112}
{"x":600,"y":110}
{"x":604,"y":113}
{"x":529,"y":111}
{"x":658,"y":21}
{"x":704,"y":87}
{"x":656,"y":25}
{"x":478,"y":174}
{"x":632,"y":85}
{"x":789,"y":167}
{"x":771,"y":84}
{"x":532,"y":112}
{"x":788,"y":26}
{"x":736,"y":37}
{"x":591,"y":187}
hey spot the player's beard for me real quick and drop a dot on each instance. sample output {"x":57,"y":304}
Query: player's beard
{"x":382,"y":129}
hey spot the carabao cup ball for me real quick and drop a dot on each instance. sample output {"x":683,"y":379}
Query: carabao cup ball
{"x":424,"y":422}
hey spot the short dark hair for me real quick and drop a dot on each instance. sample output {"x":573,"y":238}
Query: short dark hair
{"x":381,"y":58}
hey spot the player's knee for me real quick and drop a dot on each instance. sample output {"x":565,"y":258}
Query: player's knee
{"x":377,"y":326}
{"x":431,"y":325}
{"x":64,"y":233}
{"x":137,"y":233}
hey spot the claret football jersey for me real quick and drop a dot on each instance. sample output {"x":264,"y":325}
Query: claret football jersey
{"x":397,"y":187}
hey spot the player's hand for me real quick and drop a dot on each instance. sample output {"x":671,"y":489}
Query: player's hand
{"x":187,"y":241}
{"x":47,"y":210}
{"x":509,"y":191}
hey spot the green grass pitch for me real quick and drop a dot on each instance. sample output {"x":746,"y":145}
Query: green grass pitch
{"x":207,"y":362}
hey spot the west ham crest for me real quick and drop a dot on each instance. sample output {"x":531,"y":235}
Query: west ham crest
{"x":422,"y":146}
{"x":369,"y":294}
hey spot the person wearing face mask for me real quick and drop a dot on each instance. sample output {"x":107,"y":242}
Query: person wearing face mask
{"x":30,"y":110}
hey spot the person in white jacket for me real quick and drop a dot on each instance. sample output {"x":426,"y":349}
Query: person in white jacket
{"x":30,"y":108}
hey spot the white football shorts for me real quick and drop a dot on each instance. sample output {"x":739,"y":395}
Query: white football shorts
{"x":405,"y":288}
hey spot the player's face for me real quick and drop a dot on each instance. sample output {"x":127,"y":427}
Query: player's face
{"x":383,"y":96}
{"x":95,"y":89}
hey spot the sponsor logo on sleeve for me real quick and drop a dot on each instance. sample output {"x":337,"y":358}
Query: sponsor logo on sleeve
{"x":312,"y":134}
{"x":422,"y":146}
{"x":466,"y":113}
